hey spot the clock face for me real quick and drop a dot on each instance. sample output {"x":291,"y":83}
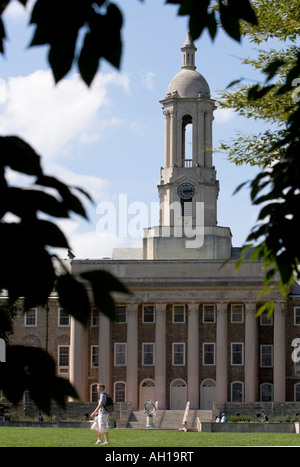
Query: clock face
{"x":186,"y":191}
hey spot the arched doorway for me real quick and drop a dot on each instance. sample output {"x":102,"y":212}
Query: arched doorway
{"x":207,"y":394}
{"x":147,"y":391}
{"x":178,"y":395}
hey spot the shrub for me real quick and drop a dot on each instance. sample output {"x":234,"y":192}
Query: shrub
{"x":240,"y":418}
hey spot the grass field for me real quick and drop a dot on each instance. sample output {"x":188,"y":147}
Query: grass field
{"x":81,"y":437}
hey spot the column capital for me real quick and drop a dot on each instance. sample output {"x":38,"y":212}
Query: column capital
{"x":222,"y":307}
{"x":279,"y":307}
{"x":131,"y":307}
{"x":160,"y":308}
{"x":193,"y":308}
{"x":250,"y":307}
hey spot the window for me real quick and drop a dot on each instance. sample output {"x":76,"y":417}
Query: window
{"x":237,"y":392}
{"x":266,"y":355}
{"x":209,"y":354}
{"x":94,"y":356}
{"x":120,"y":354}
{"x":31,"y":317}
{"x":266,"y":320}
{"x":26,"y":397}
{"x":119,"y":391}
{"x":237,"y":313}
{"x":209,"y":314}
{"x":148,"y":354}
{"x":63,"y":358}
{"x":121,"y":314}
{"x":178,"y":353}
{"x":237,"y":353}
{"x":297,"y":392}
{"x":296,"y":357}
{"x":297,"y":368}
{"x":178,"y":314}
{"x":266,"y":392}
{"x":148,"y":314}
{"x":187,"y":208}
{"x":95,"y":317}
{"x":94,"y":395}
{"x":63,"y":318}
{"x":297,"y":316}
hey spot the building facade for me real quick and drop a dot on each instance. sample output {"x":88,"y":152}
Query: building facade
{"x":189,"y":331}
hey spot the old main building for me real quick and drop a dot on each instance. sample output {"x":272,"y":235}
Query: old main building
{"x":189,"y":331}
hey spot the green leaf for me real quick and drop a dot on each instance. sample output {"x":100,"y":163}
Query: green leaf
{"x":18,"y":155}
{"x":50,"y":234}
{"x":103,"y":283}
{"x":242,"y":9}
{"x":88,"y":60}
{"x":272,"y":68}
{"x":33,"y":278}
{"x":70,"y":202}
{"x":212,"y":25}
{"x":27,"y":203}
{"x":33,"y":369}
{"x":2,"y":36}
{"x":229,"y":21}
{"x":97,"y":45}
{"x":73,"y":297}
{"x":268,"y":306}
{"x":233,"y":83}
{"x":61,"y":54}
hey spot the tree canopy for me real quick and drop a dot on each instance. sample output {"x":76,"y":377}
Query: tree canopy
{"x":276,"y":189}
{"x":27,"y":268}
{"x":276,"y":149}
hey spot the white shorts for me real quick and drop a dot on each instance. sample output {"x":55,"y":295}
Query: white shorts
{"x":100,"y":423}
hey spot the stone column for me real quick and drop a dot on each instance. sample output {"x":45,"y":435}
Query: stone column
{"x":167,"y":138}
{"x":160,"y":355}
{"x":279,"y":375}
{"x":172,"y":129}
{"x":193,"y":356}
{"x":208,"y":118}
{"x":221,"y":353}
{"x":105,"y":352}
{"x":251,"y":353}
{"x":201,"y":138}
{"x":132,"y":355}
{"x":79,"y":358}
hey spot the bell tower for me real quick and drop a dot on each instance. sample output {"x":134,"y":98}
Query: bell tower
{"x":188,"y":188}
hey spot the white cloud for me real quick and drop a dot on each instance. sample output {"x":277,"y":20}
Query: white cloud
{"x":51,"y":117}
{"x":224,"y":115}
{"x":148,"y":80}
{"x":91,"y":244}
{"x":96,"y":187}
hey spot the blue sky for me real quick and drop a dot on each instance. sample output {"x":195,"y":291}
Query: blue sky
{"x":109,"y":139}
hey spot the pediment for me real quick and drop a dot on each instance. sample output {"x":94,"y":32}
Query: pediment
{"x":178,"y":180}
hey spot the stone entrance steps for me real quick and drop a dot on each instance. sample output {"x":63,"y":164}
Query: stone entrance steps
{"x":168,"y":419}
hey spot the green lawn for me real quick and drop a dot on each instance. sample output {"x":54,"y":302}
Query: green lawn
{"x":81,"y":437}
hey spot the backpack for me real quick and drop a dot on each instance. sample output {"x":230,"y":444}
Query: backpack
{"x":109,"y":406}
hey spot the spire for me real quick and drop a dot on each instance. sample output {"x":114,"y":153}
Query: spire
{"x":189,"y":51}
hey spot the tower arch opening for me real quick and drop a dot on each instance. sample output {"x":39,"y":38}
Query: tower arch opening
{"x":187,"y":141}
